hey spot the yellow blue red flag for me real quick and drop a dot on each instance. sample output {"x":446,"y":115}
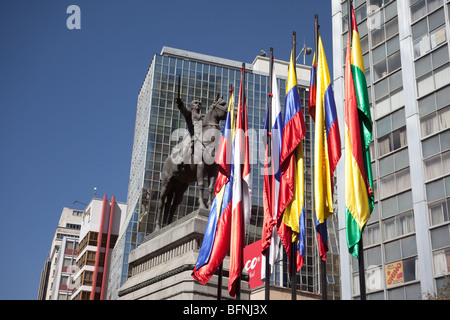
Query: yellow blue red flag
{"x":327,"y":148}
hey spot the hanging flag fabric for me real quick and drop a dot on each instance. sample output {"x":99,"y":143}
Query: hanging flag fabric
{"x":294,"y":214}
{"x":290,"y":217}
{"x":272,"y":176}
{"x":312,"y":89}
{"x":327,"y":148}
{"x":359,"y":196}
{"x":215,"y":244}
{"x":241,"y":207}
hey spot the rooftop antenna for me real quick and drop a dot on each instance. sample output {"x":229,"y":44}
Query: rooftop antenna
{"x":95,"y":192}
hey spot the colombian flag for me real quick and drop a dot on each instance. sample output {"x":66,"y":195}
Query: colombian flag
{"x":359,"y":196}
{"x":327,"y":148}
{"x":291,"y":224}
{"x":216,"y":240}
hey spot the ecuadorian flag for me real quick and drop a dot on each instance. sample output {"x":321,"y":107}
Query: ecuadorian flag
{"x":291,"y":228}
{"x":327,"y":148}
{"x":359,"y":196}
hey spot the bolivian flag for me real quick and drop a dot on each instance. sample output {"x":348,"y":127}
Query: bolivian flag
{"x":359,"y":196}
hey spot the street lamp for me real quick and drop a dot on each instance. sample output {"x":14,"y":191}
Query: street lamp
{"x":306,"y":51}
{"x":76,"y":201}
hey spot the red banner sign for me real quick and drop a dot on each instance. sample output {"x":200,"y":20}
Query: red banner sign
{"x":252,"y":263}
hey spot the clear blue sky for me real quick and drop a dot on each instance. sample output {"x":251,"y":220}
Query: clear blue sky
{"x":68,"y":99}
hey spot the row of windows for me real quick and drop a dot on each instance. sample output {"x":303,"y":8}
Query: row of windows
{"x":400,"y":254}
{"x":384,"y":81}
{"x":429,"y":33}
{"x":434,"y":112}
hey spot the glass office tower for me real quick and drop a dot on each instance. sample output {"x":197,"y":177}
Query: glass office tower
{"x":405,"y":45}
{"x":204,"y":77}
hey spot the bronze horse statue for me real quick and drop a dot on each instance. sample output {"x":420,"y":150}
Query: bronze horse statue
{"x":191,"y":162}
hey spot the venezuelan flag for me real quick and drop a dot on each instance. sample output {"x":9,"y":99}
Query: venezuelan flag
{"x":327,"y":148}
{"x":216,"y":241}
{"x":291,"y":223}
{"x":359,"y":196}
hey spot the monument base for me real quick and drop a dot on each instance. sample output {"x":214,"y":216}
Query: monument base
{"x":161,"y":266}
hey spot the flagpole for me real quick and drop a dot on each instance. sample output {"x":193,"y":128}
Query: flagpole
{"x":293,"y":249}
{"x":269,"y":157}
{"x":362,"y":280}
{"x":219,"y":283}
{"x":238,"y":288}
{"x":349,"y":5}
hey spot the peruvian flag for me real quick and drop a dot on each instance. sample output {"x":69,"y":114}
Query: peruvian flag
{"x":242,"y":191}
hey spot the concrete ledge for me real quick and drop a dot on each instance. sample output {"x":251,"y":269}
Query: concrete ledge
{"x":161,"y":266}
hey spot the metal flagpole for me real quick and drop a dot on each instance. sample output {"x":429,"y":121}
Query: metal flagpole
{"x":362,"y":280}
{"x":269,"y":158}
{"x":293,"y":249}
{"x":219,"y":283}
{"x":238,"y":289}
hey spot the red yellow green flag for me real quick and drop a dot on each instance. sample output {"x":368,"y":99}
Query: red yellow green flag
{"x":359,"y":196}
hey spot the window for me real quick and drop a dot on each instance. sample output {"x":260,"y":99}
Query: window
{"x":433,"y":80}
{"x":383,"y":23}
{"x":394,"y":162}
{"x":398,"y":226}
{"x":438,"y":189}
{"x":372,"y":235}
{"x":391,"y":133}
{"x":373,"y":272}
{"x":419,"y":8}
{"x":429,"y":33}
{"x":400,"y":249}
{"x":440,"y":237}
{"x":394,"y":183}
{"x":437,"y":166}
{"x":432,"y":71}
{"x":439,"y":192}
{"x":441,"y":262}
{"x":434,"y":113}
{"x":388,"y":95}
{"x":436,"y":156}
{"x":435,"y":122}
{"x":439,"y":212}
{"x":386,"y":58}
{"x":397,"y":204}
{"x":73,"y":226}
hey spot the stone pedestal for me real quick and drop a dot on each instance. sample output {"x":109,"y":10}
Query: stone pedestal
{"x":161,"y":266}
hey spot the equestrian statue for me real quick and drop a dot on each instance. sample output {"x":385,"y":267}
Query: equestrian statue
{"x":192,"y":159}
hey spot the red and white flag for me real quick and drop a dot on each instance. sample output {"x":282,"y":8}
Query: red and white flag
{"x":242,"y":192}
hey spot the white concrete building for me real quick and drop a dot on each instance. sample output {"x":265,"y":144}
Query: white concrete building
{"x":95,"y":247}
{"x":62,"y":254}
